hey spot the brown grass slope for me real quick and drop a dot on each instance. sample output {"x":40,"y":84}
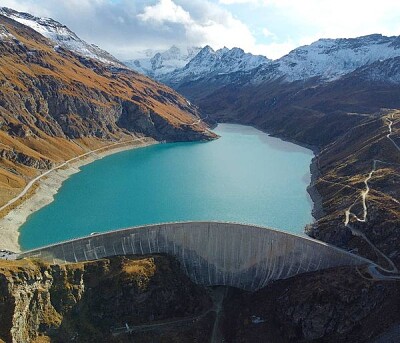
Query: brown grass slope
{"x":55,"y":105}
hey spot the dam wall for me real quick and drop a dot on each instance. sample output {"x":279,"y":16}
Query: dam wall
{"x":211,"y":253}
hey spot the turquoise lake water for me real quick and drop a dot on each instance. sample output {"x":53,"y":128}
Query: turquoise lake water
{"x":245,"y":176}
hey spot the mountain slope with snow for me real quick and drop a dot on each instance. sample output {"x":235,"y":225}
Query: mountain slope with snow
{"x":62,"y":36}
{"x":157,"y":63}
{"x":209,"y":63}
{"x":325,"y":59}
{"x":329,"y":59}
{"x":386,"y":71}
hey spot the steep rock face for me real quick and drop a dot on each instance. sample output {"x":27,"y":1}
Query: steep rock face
{"x":62,"y":36}
{"x":335,"y":305}
{"x":148,"y":298}
{"x":83,"y":302}
{"x":55,"y":105}
{"x":385,"y":71}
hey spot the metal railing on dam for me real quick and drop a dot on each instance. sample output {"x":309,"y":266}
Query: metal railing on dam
{"x":210,"y":253}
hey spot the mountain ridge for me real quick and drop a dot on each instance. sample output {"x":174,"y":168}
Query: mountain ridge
{"x":56,"y":105}
{"x":326,"y":60}
{"x":62,"y":36}
{"x":156,"y":63}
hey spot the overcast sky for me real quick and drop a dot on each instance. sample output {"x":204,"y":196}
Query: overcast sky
{"x":267,"y":27}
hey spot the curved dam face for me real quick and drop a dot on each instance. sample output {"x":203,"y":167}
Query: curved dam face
{"x":211,"y":253}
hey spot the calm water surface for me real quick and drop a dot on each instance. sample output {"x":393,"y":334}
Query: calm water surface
{"x":244,"y":176}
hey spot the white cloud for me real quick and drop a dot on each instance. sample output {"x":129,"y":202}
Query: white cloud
{"x":340,"y":18}
{"x":24,"y":6}
{"x":299,"y":22}
{"x":165,"y":11}
{"x":267,"y":33}
{"x":274,"y":50}
{"x":213,"y":26}
{"x":126,"y":26}
{"x":231,"y":2}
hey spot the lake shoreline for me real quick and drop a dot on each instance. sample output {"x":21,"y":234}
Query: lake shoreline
{"x":48,"y":187}
{"x":45,"y":191}
{"x":315,"y":197}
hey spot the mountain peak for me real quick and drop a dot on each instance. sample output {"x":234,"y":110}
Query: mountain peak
{"x":329,"y":59}
{"x":207,"y":49}
{"x":158,"y":63}
{"x":62,"y":36}
{"x":210,"y":63}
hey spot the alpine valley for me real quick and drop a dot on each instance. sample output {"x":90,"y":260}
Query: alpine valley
{"x":340,"y":97}
{"x":62,"y":98}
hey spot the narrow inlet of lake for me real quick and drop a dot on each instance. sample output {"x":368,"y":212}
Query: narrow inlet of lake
{"x":245,"y":176}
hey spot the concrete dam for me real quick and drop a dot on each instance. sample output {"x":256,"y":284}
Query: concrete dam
{"x":210,"y":253}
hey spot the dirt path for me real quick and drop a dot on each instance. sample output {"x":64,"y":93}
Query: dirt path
{"x":219,"y":296}
{"x":37,"y":178}
{"x":363,"y":196}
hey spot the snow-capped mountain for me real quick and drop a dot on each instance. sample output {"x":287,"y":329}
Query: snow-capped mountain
{"x":329,"y":59}
{"x":62,"y":36}
{"x":386,"y":71}
{"x":209,"y":63}
{"x":157,"y":63}
{"x":325,"y":59}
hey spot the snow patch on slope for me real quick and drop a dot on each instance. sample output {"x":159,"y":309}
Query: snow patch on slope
{"x":157,"y":63}
{"x":329,"y":59}
{"x":387,"y":71}
{"x":209,"y":63}
{"x":62,"y":36}
{"x":5,"y":35}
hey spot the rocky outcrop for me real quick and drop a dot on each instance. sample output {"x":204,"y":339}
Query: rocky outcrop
{"x":84,"y":302}
{"x":21,"y":158}
{"x":336,"y":305}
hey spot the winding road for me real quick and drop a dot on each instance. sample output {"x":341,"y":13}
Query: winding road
{"x":356,"y":232}
{"x":37,"y":178}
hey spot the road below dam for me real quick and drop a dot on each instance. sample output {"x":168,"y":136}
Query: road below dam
{"x":211,"y":253}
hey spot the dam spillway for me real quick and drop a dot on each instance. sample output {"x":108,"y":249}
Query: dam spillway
{"x":210,"y":253}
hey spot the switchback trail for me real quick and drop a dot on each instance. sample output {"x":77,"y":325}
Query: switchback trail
{"x":364,"y":195}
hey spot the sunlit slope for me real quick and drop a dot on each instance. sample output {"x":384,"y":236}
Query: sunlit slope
{"x":55,"y":105}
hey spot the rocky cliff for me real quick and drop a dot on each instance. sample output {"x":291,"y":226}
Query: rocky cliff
{"x":335,"y":305}
{"x":149,"y":299}
{"x":55,"y":105}
{"x":92,"y":302}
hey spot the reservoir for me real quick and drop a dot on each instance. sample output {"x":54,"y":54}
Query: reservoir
{"x":245,"y":176}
